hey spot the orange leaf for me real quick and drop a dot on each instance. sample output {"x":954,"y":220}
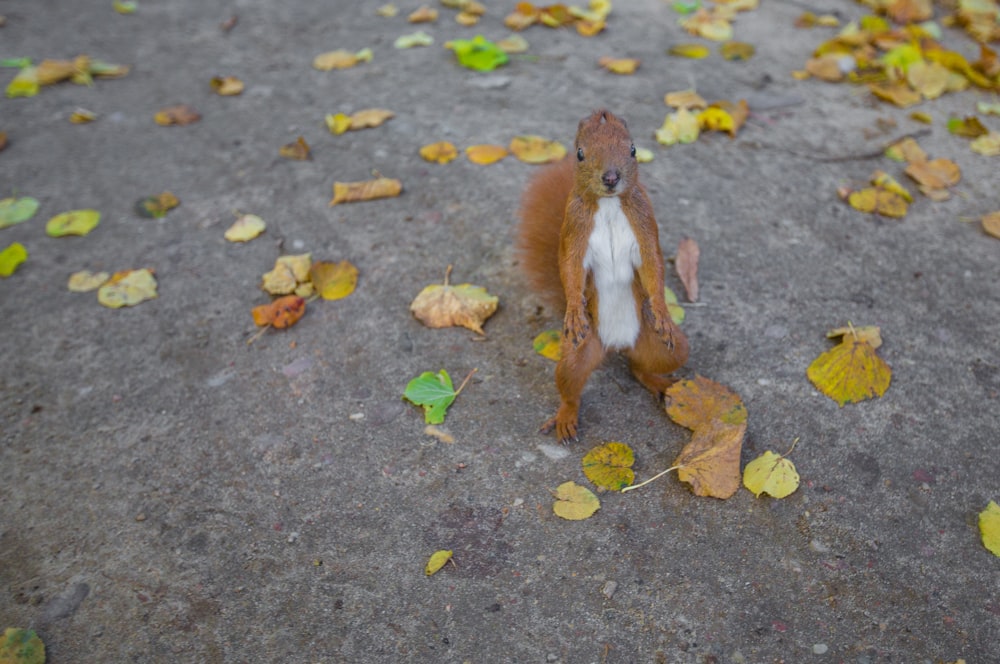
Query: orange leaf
{"x":181,"y":114}
{"x":283,"y":312}
{"x":298,"y":150}
{"x":485,"y":154}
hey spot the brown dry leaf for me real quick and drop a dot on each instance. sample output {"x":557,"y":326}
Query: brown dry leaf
{"x":991,"y":224}
{"x":556,"y":16}
{"x":298,"y":150}
{"x":523,"y":16}
{"x":341,"y":59}
{"x":928,"y":78}
{"x":439,"y":153}
{"x":226,"y":86}
{"x":909,"y":11}
{"x":485,"y":154}
{"x":718,"y":418}
{"x":738,"y":114}
{"x":907,"y":150}
{"x":366,"y":190}
{"x":82,"y":116}
{"x":424,"y":14}
{"x":464,"y":305}
{"x":370,"y":117}
{"x":181,"y":114}
{"x":623,"y":66}
{"x":536,"y":149}
{"x":684,"y":99}
{"x":935,"y":174}
{"x":283,"y":312}
{"x":687,"y":267}
{"x":898,"y":93}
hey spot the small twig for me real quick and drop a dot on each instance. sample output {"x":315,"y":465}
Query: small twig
{"x":654,"y":477}
{"x":259,"y":334}
{"x":460,"y":387}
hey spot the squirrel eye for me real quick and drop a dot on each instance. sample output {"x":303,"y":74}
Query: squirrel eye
{"x":632,"y":153}
{"x":579,"y":154}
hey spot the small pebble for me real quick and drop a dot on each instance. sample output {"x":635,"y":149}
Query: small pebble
{"x":609,"y":589}
{"x":140,"y":517}
{"x":819,"y":649}
{"x":292,"y":537}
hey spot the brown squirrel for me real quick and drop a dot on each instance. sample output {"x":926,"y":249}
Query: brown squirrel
{"x":588,"y":239}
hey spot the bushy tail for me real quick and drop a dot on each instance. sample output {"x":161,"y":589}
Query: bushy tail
{"x":542,"y":209}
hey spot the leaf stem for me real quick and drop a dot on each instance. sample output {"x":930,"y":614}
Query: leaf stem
{"x":465,"y":381}
{"x":654,"y":477}
{"x":447,"y":274}
{"x":258,"y":334}
{"x":794,"y":443}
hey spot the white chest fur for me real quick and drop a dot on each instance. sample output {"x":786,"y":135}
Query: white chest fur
{"x":612,"y":258}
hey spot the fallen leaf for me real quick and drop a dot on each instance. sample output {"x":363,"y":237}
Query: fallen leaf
{"x":467,"y":19}
{"x":298,"y":150}
{"x":465,"y":305}
{"x":433,"y":391}
{"x":82,"y":116}
{"x":333,"y":281}
{"x":439,"y":433}
{"x":245,"y":228}
{"x":991,"y":224}
{"x":643,"y":155}
{"x":16,"y":210}
{"x":226,"y":86}
{"x":181,"y":114}
{"x":536,"y":149}
{"x":709,"y":25}
{"x":341,"y":59}
{"x":876,"y":199}
{"x":549,"y":344}
{"x":556,"y":15}
{"x":685,"y":99}
{"x":74,"y":222}
{"x":609,"y":466}
{"x":574,"y":502}
{"x":935,"y":174}
{"x":988,"y":145}
{"x":21,"y":646}
{"x":513,"y":44}
{"x":125,"y":6}
{"x":850,"y":372}
{"x":710,"y":462}
{"x":387,"y":10}
{"x":289,"y":271}
{"x":738,"y":112}
{"x":337,"y":123}
{"x":3,"y":140}
{"x":423,"y":14}
{"x":885,"y":181}
{"x":676,"y":311}
{"x":928,"y":78}
{"x":716,"y":119}
{"x":370,"y":118}
{"x":478,"y":53}
{"x":24,"y":84}
{"x":693,"y":51}
{"x":988,"y":108}
{"x":85,"y":281}
{"x":437,"y":560}
{"x":440,"y":153}
{"x":127,"y":288}
{"x":870,"y":334}
{"x":968,"y":127}
{"x":920,"y":116}
{"x":523,"y":16}
{"x":281,"y":313}
{"x":624,"y":66}
{"x":906,"y":150}
{"x":989,"y":528}
{"x":772,"y":474}
{"x":366,"y":190}
{"x":156,"y":207}
{"x":736,"y":50}
{"x":413,"y":40}
{"x":11,"y":258}
{"x":686,"y":264}
{"x":485,"y":154}
{"x":679,"y":127}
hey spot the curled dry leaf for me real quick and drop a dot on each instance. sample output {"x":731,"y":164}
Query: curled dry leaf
{"x":341,"y":59}
{"x":737,"y":50}
{"x":679,"y":127}
{"x":485,"y":154}
{"x":156,"y":207}
{"x":82,"y":116}
{"x":281,"y":313}
{"x":181,"y":114}
{"x":687,"y":267}
{"x":439,"y":153}
{"x":288,"y":273}
{"x":623,"y":66}
{"x":298,"y":150}
{"x":127,"y":288}
{"x":693,"y":51}
{"x":226,"y":86}
{"x":413,"y":40}
{"x":366,"y":190}
{"x":437,"y":560}
{"x":536,"y":149}
{"x":574,"y":502}
{"x":513,"y":44}
{"x":465,"y":305}
{"x":423,"y":14}
{"x":370,"y":117}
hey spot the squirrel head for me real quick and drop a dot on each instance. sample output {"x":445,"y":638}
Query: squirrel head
{"x":606,"y":164}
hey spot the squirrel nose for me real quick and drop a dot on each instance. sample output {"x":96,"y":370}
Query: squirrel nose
{"x":611,"y":178}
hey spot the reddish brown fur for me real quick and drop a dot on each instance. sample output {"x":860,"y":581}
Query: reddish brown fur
{"x":557,"y":219}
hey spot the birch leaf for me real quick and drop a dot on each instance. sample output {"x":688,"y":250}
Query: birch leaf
{"x":485,"y":155}
{"x":440,"y":153}
{"x":536,"y":149}
{"x":11,"y":258}
{"x":127,"y":288}
{"x":437,"y":560}
{"x":74,"y":222}
{"x":85,"y":281}
{"x":15,"y":210}
{"x":333,"y":281}
{"x":465,"y":305}
{"x":772,"y":474}
{"x":575,"y":502}
{"x":850,"y":371}
{"x":989,"y":528}
{"x":246,"y":228}
{"x":609,"y":466}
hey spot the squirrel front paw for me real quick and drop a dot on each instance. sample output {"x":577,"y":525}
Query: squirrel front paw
{"x":661,"y":323}
{"x":576,"y":327}
{"x":565,"y":425}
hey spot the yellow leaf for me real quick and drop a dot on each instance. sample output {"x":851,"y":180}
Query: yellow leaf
{"x":127,"y":288}
{"x":287,"y":274}
{"x":11,"y":258}
{"x":715,"y":119}
{"x":693,"y":51}
{"x":246,"y":228}
{"x":82,"y":116}
{"x":180,"y":115}
{"x":413,"y":40}
{"x":575,"y":502}
{"x":536,"y":149}
{"x":423,"y":14}
{"x":609,"y":466}
{"x":989,"y":527}
{"x":387,"y":11}
{"x":991,"y":224}
{"x":850,"y":372}
{"x":870,"y":334}
{"x":709,"y":25}
{"x":370,"y":117}
{"x":876,"y":199}
{"x":619,"y":65}
{"x":466,"y":18}
{"x":772,"y":474}
{"x":685,"y":99}
{"x":341,"y":59}
{"x":643,"y":155}
{"x":906,"y":150}
{"x":441,"y":152}
{"x":679,"y":127}
{"x":465,"y":305}
{"x":226,"y":86}
{"x":85,"y":281}
{"x":737,"y":50}
{"x":549,"y":344}
{"x":366,"y":190}
{"x":897,"y":93}
{"x":74,"y":222}
{"x":935,"y":174}
{"x":513,"y":44}
{"x":333,"y":281}
{"x":437,"y":560}
{"x":885,"y":181}
{"x":987,"y":145}
{"x":485,"y":154}
{"x":928,"y":78}
{"x":920,"y":116}
{"x":298,"y":150}
{"x":338,"y":124}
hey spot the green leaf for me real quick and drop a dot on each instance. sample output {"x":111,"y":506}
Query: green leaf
{"x":686,"y":6}
{"x":478,"y":53}
{"x":19,"y":63}
{"x":15,"y":210}
{"x":11,"y":257}
{"x":434,"y":392}
{"x":25,"y":84}
{"x":21,"y":646}
{"x":675,"y":309}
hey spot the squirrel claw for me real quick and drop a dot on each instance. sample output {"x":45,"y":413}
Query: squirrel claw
{"x":576,"y":328}
{"x":566,"y":431}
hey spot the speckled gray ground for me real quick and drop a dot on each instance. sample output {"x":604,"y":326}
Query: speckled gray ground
{"x":169,"y":494}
